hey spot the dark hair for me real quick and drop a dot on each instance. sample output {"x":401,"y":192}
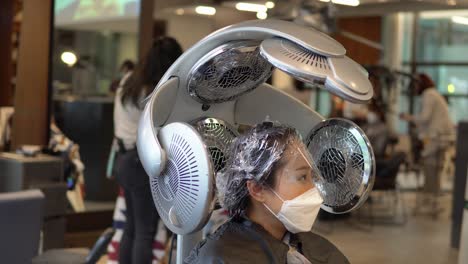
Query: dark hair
{"x":127,"y":64}
{"x":163,"y":53}
{"x":264,"y":159}
{"x":424,"y":82}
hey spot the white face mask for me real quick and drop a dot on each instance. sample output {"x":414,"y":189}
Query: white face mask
{"x":299,"y":214}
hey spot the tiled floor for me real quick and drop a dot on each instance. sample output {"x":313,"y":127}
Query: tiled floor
{"x":99,"y":206}
{"x":421,"y":240}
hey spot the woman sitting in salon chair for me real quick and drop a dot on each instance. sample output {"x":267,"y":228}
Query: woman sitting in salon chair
{"x":268,"y":189}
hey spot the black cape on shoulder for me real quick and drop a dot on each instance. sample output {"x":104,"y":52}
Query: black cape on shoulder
{"x":241,"y":241}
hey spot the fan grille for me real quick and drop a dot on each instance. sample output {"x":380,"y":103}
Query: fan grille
{"x":178,"y":184}
{"x":296,"y":60}
{"x":304,"y":56}
{"x":218,"y":137}
{"x":332,"y":165}
{"x":228,"y":72}
{"x":170,"y":180}
{"x":341,"y":163}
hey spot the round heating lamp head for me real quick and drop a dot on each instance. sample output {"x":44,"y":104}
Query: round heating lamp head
{"x":345,"y":159}
{"x":218,"y":136}
{"x":183,"y":193}
{"x":228,"y":72}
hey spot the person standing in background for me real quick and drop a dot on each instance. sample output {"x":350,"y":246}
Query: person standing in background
{"x":126,"y":69}
{"x":434,"y":127}
{"x":141,"y":215}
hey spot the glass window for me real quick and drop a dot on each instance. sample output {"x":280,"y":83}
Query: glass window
{"x":441,"y":53}
{"x":91,"y":40}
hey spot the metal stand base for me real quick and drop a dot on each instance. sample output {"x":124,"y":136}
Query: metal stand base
{"x":185,"y":244}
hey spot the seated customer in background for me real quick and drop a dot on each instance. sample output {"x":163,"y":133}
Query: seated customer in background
{"x":268,"y":189}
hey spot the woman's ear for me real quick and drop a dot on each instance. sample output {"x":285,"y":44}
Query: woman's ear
{"x":256,"y":191}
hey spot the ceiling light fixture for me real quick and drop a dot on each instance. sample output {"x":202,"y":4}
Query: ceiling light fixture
{"x":205,"y":10}
{"x":344,"y":2}
{"x":460,"y":20}
{"x":262,"y":15}
{"x":270,"y":4}
{"x":251,"y":7}
{"x":443,"y":14}
{"x":179,"y":11}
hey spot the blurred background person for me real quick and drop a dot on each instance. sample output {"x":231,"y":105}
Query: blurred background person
{"x":434,"y":127}
{"x":125,"y":70}
{"x":142,"y":218}
{"x":85,"y":76}
{"x":336,"y":106}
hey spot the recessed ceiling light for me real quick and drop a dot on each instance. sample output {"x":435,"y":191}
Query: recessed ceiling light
{"x":205,"y":10}
{"x":262,"y":15}
{"x":460,"y":20}
{"x":346,"y":2}
{"x":270,"y":4}
{"x":343,"y":2}
{"x":251,"y":7}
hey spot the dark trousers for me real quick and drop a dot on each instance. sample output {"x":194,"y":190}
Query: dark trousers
{"x":136,"y":246}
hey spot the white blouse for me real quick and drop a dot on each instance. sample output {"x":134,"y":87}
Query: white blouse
{"x":126,"y":118}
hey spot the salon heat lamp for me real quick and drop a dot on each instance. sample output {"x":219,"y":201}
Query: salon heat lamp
{"x":219,"y":84}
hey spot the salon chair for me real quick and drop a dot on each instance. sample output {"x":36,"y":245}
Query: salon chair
{"x":385,"y":185}
{"x":21,"y":215}
{"x":20,"y":225}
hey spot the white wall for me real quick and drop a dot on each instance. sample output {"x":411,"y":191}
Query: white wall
{"x":227,"y":17}
{"x":189,"y":29}
{"x":128,"y":47}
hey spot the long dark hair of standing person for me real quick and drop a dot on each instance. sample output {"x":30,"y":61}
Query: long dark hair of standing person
{"x":136,"y":244}
{"x":161,"y":56}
